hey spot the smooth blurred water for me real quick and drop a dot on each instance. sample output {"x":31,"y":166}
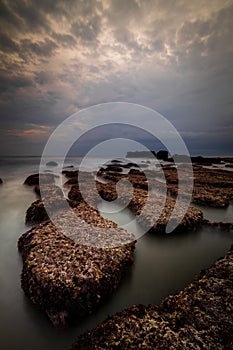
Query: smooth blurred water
{"x":217,"y":214}
{"x":163,"y":264}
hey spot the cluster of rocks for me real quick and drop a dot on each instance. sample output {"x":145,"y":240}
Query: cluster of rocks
{"x":74,"y":262}
{"x":108,"y":191}
{"x":199,"y":317}
{"x":213,"y":187}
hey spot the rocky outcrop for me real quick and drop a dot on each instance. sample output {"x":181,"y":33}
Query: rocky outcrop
{"x":36,"y":213}
{"x":34,"y":179}
{"x":53,"y":198}
{"x":71,"y":266}
{"x":199,"y":317}
{"x":192,"y":220}
{"x":213,"y":187}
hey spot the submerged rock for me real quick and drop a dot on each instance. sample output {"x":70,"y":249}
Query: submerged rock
{"x":199,"y":317}
{"x":52,"y":163}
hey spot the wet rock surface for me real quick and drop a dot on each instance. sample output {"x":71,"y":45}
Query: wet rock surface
{"x":145,"y":215}
{"x":69,"y":275}
{"x":52,"y":197}
{"x":213,"y":187}
{"x":34,"y":179}
{"x":135,"y":200}
{"x":36,"y":213}
{"x":199,"y":317}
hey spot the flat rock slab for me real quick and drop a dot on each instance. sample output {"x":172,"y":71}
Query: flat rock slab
{"x":199,"y":317}
{"x":69,"y":274}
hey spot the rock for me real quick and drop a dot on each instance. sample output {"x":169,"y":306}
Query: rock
{"x":36,"y":213}
{"x":1,"y":181}
{"x":52,"y":163}
{"x":71,"y":181}
{"x":68,"y":276}
{"x":130,"y":165}
{"x":223,"y":225}
{"x":70,"y":173}
{"x":213,"y":187}
{"x":116,"y":161}
{"x":192,"y":220}
{"x":199,"y":317}
{"x":33,"y":180}
{"x":68,"y":167}
{"x":53,"y":198}
{"x":136,"y":172}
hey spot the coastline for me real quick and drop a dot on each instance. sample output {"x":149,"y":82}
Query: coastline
{"x":107,"y":191}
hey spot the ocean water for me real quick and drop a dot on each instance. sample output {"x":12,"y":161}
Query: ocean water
{"x":163,"y":265}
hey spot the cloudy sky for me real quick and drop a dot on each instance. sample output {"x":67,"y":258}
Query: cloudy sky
{"x":58,"y":57}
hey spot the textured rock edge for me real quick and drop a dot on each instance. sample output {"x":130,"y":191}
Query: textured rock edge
{"x":198,"y":317}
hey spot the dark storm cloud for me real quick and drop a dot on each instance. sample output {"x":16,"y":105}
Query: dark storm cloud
{"x":65,"y":40}
{"x":11,"y":83}
{"x":202,"y":43}
{"x":22,"y":16}
{"x":8,"y":18}
{"x":39,"y":48}
{"x":7,"y":44}
{"x":87,"y":30}
{"x":33,"y":19}
{"x":176,"y":57}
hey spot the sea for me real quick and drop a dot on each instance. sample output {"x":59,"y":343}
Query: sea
{"x":164,"y":264}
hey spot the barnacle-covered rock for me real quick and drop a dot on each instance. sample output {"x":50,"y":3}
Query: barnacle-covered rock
{"x":213,"y":187}
{"x":36,"y":213}
{"x":199,"y":317}
{"x":35,"y":179}
{"x":73,"y":264}
{"x":52,"y":198}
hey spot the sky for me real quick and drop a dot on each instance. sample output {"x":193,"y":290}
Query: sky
{"x":58,"y":57}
